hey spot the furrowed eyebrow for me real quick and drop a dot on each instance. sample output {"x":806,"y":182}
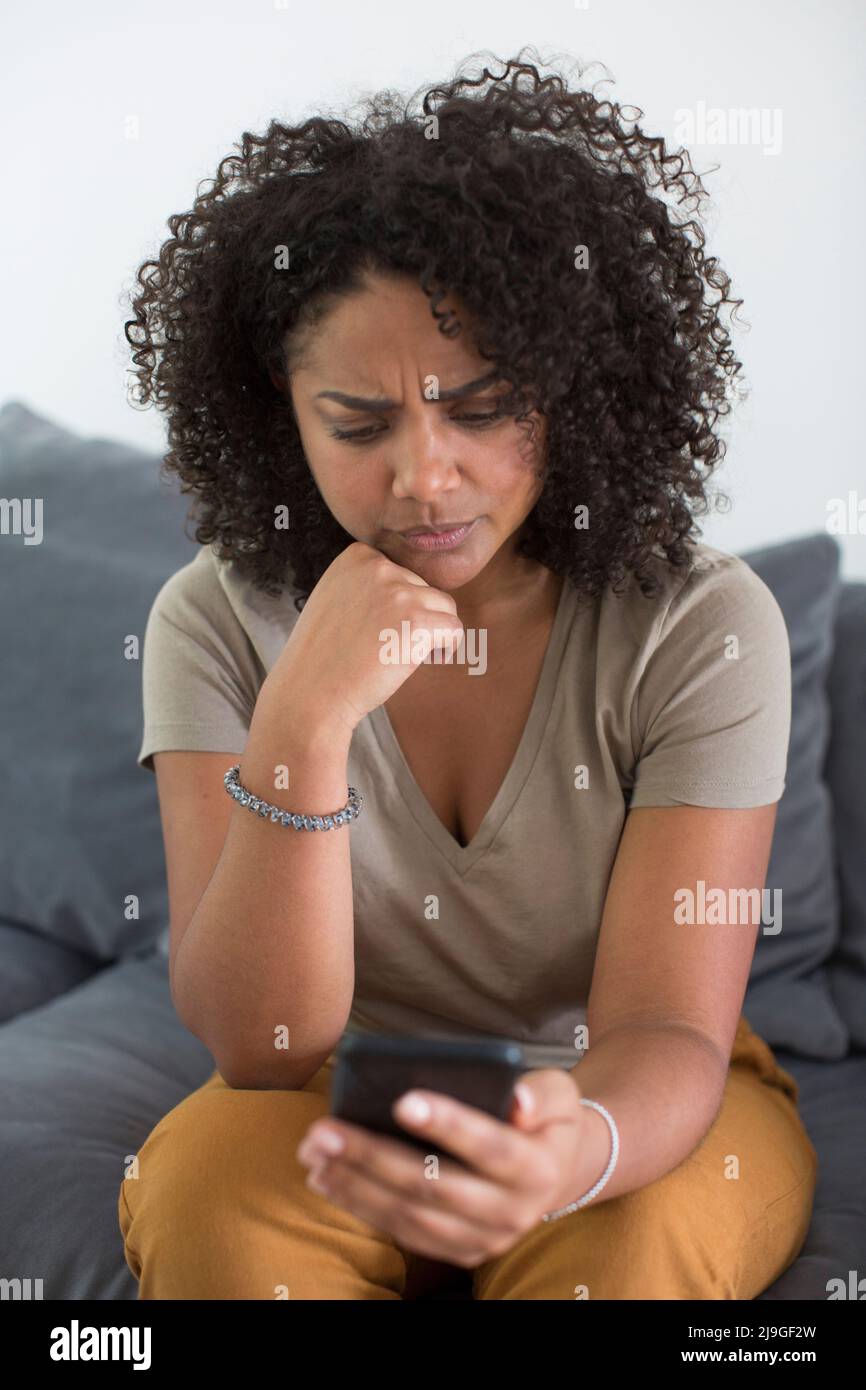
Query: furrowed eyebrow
{"x":385,"y":403}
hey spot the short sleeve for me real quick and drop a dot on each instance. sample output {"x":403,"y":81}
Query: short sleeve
{"x":198,"y":672}
{"x":712,"y":710}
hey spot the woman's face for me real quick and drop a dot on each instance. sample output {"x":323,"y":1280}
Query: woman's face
{"x":394,"y":442}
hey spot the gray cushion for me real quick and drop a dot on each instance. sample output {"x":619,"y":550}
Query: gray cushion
{"x":832,"y":1104}
{"x":846,"y":775}
{"x":79,"y":824}
{"x":788,"y":1001}
{"x":34,"y":970}
{"x":83,"y":1081}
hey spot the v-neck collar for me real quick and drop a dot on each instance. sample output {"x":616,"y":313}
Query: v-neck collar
{"x":460,"y":857}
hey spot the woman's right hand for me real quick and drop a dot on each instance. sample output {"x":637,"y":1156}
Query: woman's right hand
{"x":334,"y":660}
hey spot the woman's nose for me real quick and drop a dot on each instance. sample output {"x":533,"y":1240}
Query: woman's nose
{"x":424,"y":462}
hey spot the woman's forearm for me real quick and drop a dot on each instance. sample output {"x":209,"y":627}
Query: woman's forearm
{"x":264,"y":974}
{"x":664,"y":1086}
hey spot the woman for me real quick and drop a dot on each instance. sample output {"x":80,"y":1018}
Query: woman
{"x":476,"y":320}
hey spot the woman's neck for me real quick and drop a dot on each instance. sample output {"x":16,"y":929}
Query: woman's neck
{"x":524,"y":595}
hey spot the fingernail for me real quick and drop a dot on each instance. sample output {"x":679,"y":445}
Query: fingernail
{"x":413,"y":1107}
{"x":330,"y":1140}
{"x":525,"y":1098}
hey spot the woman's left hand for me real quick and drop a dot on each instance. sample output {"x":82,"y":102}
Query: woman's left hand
{"x":519,"y":1170}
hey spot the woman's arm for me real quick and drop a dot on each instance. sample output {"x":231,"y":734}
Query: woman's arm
{"x":667,"y":996}
{"x":262,"y":940}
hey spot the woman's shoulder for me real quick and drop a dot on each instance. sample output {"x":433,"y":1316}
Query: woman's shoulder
{"x":211,"y":591}
{"x":193,"y":584}
{"x":708,"y":570}
{"x":700,"y":673}
{"x":193,"y":602}
{"x":713,"y":588}
{"x":222,"y":593}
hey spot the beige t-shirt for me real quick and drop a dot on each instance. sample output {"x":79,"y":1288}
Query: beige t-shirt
{"x":680,"y":698}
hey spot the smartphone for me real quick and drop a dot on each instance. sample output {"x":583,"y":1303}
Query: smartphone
{"x":372,"y":1071}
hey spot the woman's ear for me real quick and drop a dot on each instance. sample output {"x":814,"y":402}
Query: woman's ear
{"x":279,"y":380}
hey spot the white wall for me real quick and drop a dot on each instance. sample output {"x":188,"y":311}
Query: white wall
{"x":85,"y":203}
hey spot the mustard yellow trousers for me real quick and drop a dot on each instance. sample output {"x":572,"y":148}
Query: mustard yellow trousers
{"x":219,"y":1209}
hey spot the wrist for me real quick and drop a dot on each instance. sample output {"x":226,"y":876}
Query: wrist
{"x":295,"y":761}
{"x":594,"y":1156}
{"x":301,"y":722}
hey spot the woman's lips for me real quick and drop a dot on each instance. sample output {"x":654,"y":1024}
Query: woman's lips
{"x":439,"y":540}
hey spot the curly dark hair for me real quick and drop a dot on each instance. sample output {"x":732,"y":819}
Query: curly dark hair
{"x":487,"y":191}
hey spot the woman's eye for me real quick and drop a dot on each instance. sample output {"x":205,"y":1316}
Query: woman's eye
{"x":370,"y":431}
{"x":337,"y":433}
{"x":479,"y":419}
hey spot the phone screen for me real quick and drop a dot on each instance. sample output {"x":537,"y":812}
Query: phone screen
{"x":372,"y":1071}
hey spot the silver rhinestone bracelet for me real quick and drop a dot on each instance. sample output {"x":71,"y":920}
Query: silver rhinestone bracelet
{"x":614,"y":1155}
{"x":278,"y":816}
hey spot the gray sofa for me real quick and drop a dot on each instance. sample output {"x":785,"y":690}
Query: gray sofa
{"x":91,"y":1051}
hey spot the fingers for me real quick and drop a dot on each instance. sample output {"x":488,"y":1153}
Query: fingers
{"x":403,"y":1174}
{"x":491,"y":1148}
{"x":426,"y":1229}
{"x":553,"y":1095}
